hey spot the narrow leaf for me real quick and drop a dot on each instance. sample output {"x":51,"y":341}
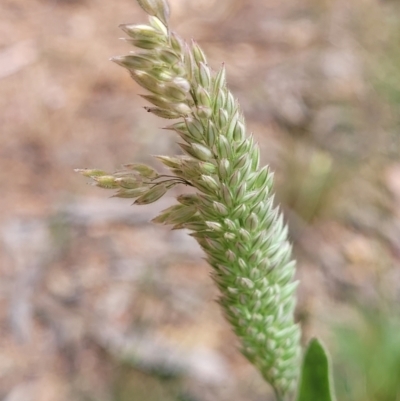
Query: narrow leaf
{"x":315,"y":382}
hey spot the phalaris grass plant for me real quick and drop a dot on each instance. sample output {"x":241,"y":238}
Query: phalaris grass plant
{"x":232,"y":214}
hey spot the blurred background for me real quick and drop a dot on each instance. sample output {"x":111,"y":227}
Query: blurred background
{"x":96,"y":303}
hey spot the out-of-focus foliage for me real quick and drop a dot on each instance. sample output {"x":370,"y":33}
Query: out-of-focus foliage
{"x":367,"y":357}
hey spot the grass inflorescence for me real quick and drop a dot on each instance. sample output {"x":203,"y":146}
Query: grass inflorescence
{"x":232,"y":215}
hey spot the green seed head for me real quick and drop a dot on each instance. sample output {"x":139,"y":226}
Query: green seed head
{"x":231,"y":215}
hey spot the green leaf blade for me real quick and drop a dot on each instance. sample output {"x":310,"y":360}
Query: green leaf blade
{"x":316,"y":382}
